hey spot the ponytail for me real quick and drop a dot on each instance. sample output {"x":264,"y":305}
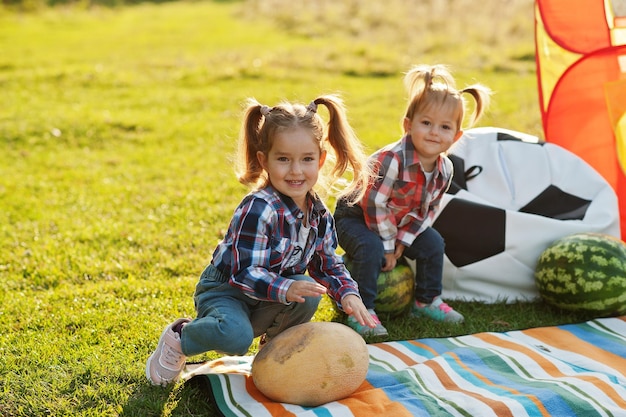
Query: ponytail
{"x":482,"y":97}
{"x":247,"y":168}
{"x":348,"y":150}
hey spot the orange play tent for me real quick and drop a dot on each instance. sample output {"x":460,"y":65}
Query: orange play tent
{"x":581,"y":71}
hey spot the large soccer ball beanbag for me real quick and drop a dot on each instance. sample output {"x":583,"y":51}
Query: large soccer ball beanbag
{"x":512,"y":196}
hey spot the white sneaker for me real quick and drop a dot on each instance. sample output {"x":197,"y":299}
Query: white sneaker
{"x":167,"y":362}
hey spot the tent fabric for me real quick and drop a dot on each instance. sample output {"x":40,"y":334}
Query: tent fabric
{"x":566,"y":370}
{"x":577,"y":25}
{"x":581,"y":68}
{"x":512,"y":196}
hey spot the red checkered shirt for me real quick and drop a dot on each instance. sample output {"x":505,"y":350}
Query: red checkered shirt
{"x":401,"y":204}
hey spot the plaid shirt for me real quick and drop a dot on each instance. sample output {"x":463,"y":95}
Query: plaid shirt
{"x":400,"y":204}
{"x":262,"y":239}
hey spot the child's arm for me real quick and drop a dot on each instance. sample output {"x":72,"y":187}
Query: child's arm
{"x":378,"y":216}
{"x":327,"y":268}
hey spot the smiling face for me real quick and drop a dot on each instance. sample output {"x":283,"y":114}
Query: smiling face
{"x":433,"y":130}
{"x":293,"y":163}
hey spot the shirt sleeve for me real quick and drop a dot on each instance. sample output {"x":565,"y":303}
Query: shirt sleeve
{"x":251,"y":246}
{"x":328,"y":268}
{"x":378,"y":217}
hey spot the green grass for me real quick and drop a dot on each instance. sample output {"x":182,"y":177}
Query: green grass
{"x":116,"y":133}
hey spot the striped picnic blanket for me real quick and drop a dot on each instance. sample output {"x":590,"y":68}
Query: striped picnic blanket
{"x":567,"y":370}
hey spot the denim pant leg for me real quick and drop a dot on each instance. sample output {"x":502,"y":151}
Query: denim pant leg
{"x":223,"y":318}
{"x":364,"y":248}
{"x":273,"y":318}
{"x":427,"y":250}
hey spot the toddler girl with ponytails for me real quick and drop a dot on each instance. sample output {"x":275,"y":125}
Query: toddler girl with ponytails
{"x":393,"y":218}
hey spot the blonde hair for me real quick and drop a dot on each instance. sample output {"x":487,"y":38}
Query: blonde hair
{"x":433,"y":85}
{"x":261,"y":123}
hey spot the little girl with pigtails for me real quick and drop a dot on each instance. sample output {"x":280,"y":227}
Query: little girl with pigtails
{"x":393,"y":218}
{"x":256,"y":284}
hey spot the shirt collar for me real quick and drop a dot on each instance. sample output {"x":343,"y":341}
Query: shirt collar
{"x":316,"y":207}
{"x":410,"y":157}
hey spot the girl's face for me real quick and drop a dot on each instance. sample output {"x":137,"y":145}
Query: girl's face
{"x":432,"y":131}
{"x":293,"y":163}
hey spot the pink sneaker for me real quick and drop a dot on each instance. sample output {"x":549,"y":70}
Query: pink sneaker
{"x":167,"y":362}
{"x":365,"y":331}
{"x":438,"y":310}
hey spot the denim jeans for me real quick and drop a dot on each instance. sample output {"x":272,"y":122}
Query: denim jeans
{"x":227,"y":319}
{"x":365,"y":252}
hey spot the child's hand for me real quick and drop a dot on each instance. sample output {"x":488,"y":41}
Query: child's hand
{"x":353,"y":306}
{"x":390,"y":262}
{"x":391,"y":259}
{"x":399,"y":250}
{"x":300,"y":289}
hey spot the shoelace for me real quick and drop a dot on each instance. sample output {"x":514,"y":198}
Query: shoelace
{"x":170,"y":357}
{"x":442,"y":305}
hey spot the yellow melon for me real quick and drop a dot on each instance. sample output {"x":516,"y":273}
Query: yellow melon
{"x":311,"y":364}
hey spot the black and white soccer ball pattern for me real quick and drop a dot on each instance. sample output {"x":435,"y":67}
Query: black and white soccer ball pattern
{"x":512,"y":196}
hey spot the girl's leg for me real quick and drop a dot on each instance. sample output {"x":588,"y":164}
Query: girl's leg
{"x":366,"y":254}
{"x":427,"y":250}
{"x":272,"y":318}
{"x":223,"y":321}
{"x":222,"y":324}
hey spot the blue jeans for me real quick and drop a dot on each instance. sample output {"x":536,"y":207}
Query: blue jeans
{"x":228,"y":320}
{"x":365,"y":251}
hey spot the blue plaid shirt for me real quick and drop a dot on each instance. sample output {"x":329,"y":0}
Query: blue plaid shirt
{"x":262,"y":240}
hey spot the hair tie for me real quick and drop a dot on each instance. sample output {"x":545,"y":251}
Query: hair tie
{"x":312,"y":107}
{"x":265,"y":110}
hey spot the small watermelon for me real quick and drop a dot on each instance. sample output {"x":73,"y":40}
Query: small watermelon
{"x":584,"y":272}
{"x":395,"y":289}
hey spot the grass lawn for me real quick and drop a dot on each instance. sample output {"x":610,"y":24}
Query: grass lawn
{"x":116,"y":131}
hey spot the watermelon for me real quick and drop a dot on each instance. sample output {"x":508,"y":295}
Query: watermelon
{"x":395,"y":289}
{"x":584,"y":272}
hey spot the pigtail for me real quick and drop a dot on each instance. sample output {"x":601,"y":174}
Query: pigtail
{"x":348,"y":150}
{"x":248,"y":168}
{"x":482,"y":97}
